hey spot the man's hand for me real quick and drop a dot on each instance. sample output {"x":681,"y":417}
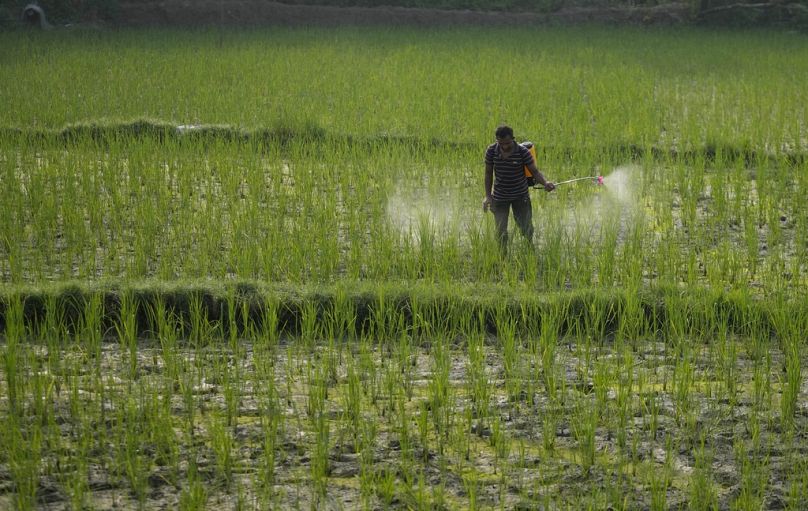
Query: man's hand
{"x":549,"y":186}
{"x":487,"y":203}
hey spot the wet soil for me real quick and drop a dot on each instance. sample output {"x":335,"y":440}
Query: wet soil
{"x":406,"y":423}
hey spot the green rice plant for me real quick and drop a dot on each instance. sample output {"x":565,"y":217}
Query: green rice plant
{"x":631,"y":275}
{"x":199,"y":325}
{"x":232,"y":325}
{"x":342,"y":315}
{"x":479,"y":389}
{"x":625,"y":382}
{"x":582,"y":257}
{"x":501,"y":443}
{"x":267,"y":472}
{"x":88,"y":333}
{"x":660,"y":482}
{"x":651,"y":409}
{"x":754,"y":332}
{"x":406,"y":361}
{"x":126,"y":330}
{"x":584,"y":426}
{"x":682,"y":382}
{"x":727,"y":357}
{"x":506,"y":334}
{"x":791,"y":384}
{"x":553,"y":274}
{"x":385,"y":486}
{"x":309,"y":324}
{"x":797,"y":484}
{"x":631,"y":318}
{"x":163,"y":437}
{"x":422,"y":421}
{"x":15,"y":335}
{"x":169,"y":329}
{"x":602,"y":380}
{"x":470,"y":484}
{"x":233,"y":390}
{"x":268,"y":333}
{"x":131,"y":462}
{"x":440,"y":392}
{"x":392,"y":386}
{"x":367,"y":445}
{"x":549,"y":422}
{"x":369,"y":371}
{"x":550,"y":323}
{"x":752,"y":245}
{"x":352,"y":406}
{"x":317,"y":390}
{"x":222,"y":445}
{"x":381,"y":315}
{"x":194,"y":496}
{"x":40,"y":391}
{"x":754,"y":476}
{"x":406,"y":464}
{"x":23,"y":456}
{"x":188,"y":379}
{"x":420,"y":495}
{"x":53,"y":330}
{"x":607,"y":256}
{"x":459,"y":439}
{"x":76,"y":483}
{"x":596,"y":318}
{"x":420,"y":326}
{"x":460,"y":319}
{"x":13,"y":264}
{"x":761,"y":384}
{"x":701,"y":488}
{"x":484,"y":254}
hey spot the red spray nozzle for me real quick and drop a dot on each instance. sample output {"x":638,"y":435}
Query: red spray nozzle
{"x":600,"y":180}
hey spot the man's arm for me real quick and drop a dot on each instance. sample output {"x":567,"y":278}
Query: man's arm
{"x":549,"y":186}
{"x":489,"y":184}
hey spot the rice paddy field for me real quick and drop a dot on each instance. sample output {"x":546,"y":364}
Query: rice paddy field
{"x":250,"y":270}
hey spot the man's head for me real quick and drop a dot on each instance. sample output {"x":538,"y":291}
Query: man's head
{"x":504,"y":136}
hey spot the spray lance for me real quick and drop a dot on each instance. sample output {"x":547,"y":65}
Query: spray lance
{"x":598,"y":180}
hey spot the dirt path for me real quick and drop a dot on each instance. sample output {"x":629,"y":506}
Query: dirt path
{"x":256,"y":12}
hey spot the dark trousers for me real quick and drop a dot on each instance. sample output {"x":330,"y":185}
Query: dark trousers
{"x":522,"y":213}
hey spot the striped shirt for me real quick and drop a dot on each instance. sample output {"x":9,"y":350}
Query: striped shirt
{"x":509,"y":174}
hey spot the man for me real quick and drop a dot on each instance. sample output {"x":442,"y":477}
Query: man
{"x":505,"y":161}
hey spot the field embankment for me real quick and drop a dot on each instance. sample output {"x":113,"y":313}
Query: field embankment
{"x":247,"y":13}
{"x":237,"y":305}
{"x":413,"y":13}
{"x":263,"y":139}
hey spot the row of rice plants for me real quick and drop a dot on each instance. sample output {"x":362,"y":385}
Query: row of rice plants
{"x":445,"y":415}
{"x":341,"y":211}
{"x":579,"y":88}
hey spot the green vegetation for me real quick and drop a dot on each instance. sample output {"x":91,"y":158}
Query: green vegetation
{"x":282,"y":291}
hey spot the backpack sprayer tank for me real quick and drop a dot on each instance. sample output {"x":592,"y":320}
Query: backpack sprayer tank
{"x":531,"y":179}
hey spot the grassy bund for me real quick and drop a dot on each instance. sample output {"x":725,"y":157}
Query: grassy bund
{"x":250,"y":270}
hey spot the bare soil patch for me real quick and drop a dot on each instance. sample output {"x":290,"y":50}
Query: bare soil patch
{"x":255,"y":12}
